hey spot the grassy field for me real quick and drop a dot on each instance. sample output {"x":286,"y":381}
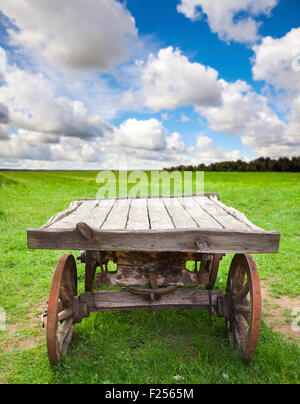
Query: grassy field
{"x":135,"y":347}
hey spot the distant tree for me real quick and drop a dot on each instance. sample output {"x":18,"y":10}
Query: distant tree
{"x":263,"y":164}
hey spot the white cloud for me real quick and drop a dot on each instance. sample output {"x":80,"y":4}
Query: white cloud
{"x":34,"y":106}
{"x":170,"y":80}
{"x":207,"y":152}
{"x":293,"y":129}
{"x":274,"y":60}
{"x":223,"y":16}
{"x":27,"y":145}
{"x":242,"y":111}
{"x":146,"y":135}
{"x":184,"y":118}
{"x":3,"y":63}
{"x":247,"y":114}
{"x":3,"y":132}
{"x":17,"y":146}
{"x":81,"y":34}
{"x":4,"y":114}
{"x":175,"y":144}
{"x":129,"y":100}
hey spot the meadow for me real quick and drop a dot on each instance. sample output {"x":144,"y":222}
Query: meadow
{"x":136,"y":347}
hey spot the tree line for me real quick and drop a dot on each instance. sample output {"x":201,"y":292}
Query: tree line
{"x":283,"y":164}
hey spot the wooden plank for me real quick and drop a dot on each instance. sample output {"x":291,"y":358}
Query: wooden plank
{"x":124,"y":300}
{"x":200,"y":216}
{"x":73,"y":206}
{"x":80,"y":215}
{"x":100,"y":213}
{"x":118,"y":216}
{"x":211,"y":241}
{"x":235,"y":213}
{"x":206,"y":194}
{"x":159,"y":217}
{"x":179,"y":216}
{"x":221,"y":216}
{"x":138,"y":215}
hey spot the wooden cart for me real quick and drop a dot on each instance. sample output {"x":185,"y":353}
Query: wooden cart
{"x":151,"y":240}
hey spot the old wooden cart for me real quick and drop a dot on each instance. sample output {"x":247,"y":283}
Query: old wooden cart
{"x":151,"y":240}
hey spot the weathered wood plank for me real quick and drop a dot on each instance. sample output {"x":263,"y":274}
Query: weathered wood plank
{"x":235,"y":213}
{"x":213,"y":241}
{"x":59,"y":216}
{"x":179,"y":216}
{"x":200,"y":216}
{"x":138,"y":215}
{"x":124,"y":300}
{"x":206,"y":194}
{"x":159,"y":217}
{"x":82,"y":214}
{"x":118,"y":216}
{"x":100,"y":213}
{"x":222,"y":217}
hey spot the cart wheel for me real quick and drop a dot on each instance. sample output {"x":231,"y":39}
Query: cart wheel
{"x":60,"y":323}
{"x":214,"y":270}
{"x":244,"y":288}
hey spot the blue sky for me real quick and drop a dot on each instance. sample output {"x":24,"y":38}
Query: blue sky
{"x":102,"y":84}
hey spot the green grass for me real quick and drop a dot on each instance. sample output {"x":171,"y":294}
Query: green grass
{"x":135,"y":347}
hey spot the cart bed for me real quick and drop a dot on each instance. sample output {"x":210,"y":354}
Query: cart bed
{"x":198,"y":223}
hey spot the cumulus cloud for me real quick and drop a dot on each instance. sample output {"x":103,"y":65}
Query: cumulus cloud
{"x":3,"y":132}
{"x":33,"y":146}
{"x":81,"y":34}
{"x":242,"y":111}
{"x":184,"y":118}
{"x":175,"y":144}
{"x":224,"y":17}
{"x":293,"y":128}
{"x":147,"y":134}
{"x":207,"y":152}
{"x":3,"y":63}
{"x":33,"y":105}
{"x":170,"y":80}
{"x":275,"y":61}
{"x":4,"y":114}
{"x":247,"y":114}
{"x":18,"y":146}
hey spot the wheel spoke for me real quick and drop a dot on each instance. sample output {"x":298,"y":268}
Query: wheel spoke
{"x":239,"y":279}
{"x":63,"y":315}
{"x":66,"y":342}
{"x":240,"y":308}
{"x":243,"y":292}
{"x":64,"y":330}
{"x":241,"y":332}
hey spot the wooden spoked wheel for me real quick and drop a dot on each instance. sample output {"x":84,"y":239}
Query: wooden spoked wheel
{"x":243,"y":288}
{"x":60,"y":323}
{"x":214,"y":270}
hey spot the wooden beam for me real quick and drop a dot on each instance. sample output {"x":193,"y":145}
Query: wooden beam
{"x":221,"y":241}
{"x":124,"y":300}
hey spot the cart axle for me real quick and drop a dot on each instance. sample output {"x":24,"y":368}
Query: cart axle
{"x":125,"y":300}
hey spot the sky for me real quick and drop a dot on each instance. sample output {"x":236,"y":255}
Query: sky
{"x":147,"y":84}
